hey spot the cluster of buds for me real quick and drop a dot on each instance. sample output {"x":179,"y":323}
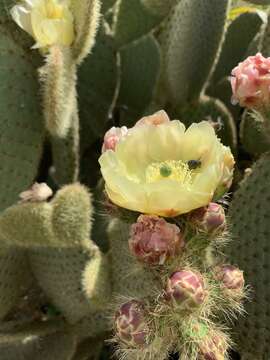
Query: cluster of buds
{"x":130,"y":325}
{"x":231,"y":278}
{"x":210,"y":218}
{"x":153,"y":240}
{"x":185,"y":290}
{"x":214,"y":348}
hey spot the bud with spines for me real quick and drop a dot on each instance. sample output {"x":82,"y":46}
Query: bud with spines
{"x":185,"y":289}
{"x":214,"y":348}
{"x":210,"y":218}
{"x":130,"y":324}
{"x":153,"y":240}
{"x":231,"y":278}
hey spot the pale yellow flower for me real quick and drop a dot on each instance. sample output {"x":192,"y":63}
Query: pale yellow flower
{"x":49,"y":22}
{"x":165,"y":169}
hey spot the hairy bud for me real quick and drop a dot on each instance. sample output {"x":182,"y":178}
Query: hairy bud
{"x":153,"y":240}
{"x":231,"y":277}
{"x":210,"y":218}
{"x":213,"y":349}
{"x":186,"y":289}
{"x":130,"y":325}
{"x":112,"y":137}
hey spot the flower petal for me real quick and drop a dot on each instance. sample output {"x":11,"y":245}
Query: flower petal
{"x":22,"y":16}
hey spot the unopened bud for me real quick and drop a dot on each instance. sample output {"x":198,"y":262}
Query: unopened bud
{"x":113,"y":136}
{"x":210,"y":218}
{"x":213,"y":349}
{"x":130,"y":325}
{"x":186,"y":289}
{"x":153,"y":240}
{"x":231,"y":277}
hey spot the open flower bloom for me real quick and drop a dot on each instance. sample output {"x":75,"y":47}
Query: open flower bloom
{"x":251,"y":82}
{"x":49,"y":22}
{"x":165,"y":169}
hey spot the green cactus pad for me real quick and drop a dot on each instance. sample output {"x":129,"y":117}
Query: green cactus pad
{"x":71,"y":217}
{"x":259,"y":2}
{"x":15,"y":278}
{"x":59,"y":273}
{"x":159,"y":7}
{"x":38,"y":342}
{"x":107,"y":5}
{"x":21,"y":123}
{"x":190,"y":43}
{"x":87,"y":16}
{"x":65,"y":221}
{"x":250,"y":227}
{"x":140,"y":64}
{"x":129,"y":278}
{"x":65,"y":154}
{"x":254,"y":138}
{"x":97,"y":93}
{"x":132,"y":20}
{"x":88,"y":350}
{"x":239,"y":35}
{"x":58,"y":80}
{"x":95,"y":325}
{"x":266,"y":40}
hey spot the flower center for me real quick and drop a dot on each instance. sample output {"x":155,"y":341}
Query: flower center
{"x":54,"y":11}
{"x":170,"y":169}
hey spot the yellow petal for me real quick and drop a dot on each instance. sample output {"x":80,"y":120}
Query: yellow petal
{"x":22,"y":16}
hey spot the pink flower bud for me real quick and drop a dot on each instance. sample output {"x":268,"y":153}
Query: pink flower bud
{"x":156,"y":119}
{"x":153,"y":240}
{"x":130,"y":325}
{"x":250,"y":82}
{"x":210,"y":218}
{"x":186,"y":289}
{"x":213,"y":349}
{"x":112,"y":137}
{"x":231,"y":277}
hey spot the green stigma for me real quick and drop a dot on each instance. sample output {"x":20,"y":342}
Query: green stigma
{"x":165,"y":170}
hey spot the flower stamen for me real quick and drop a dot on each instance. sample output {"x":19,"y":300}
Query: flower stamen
{"x":171,"y":169}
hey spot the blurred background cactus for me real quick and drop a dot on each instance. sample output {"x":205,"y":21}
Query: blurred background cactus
{"x":59,"y":266}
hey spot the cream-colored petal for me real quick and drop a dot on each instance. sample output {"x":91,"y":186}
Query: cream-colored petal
{"x":165,"y":141}
{"x":199,"y":142}
{"x":52,"y":31}
{"x":22,"y":16}
{"x":207,"y":181}
{"x":65,"y":29}
{"x":167,"y":198}
{"x":132,"y":195}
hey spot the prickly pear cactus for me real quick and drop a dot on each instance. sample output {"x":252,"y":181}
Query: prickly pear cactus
{"x":250,"y":226}
{"x":76,"y":270}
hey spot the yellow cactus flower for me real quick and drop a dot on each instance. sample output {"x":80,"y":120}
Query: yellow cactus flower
{"x":164,"y":169}
{"x":49,"y":22}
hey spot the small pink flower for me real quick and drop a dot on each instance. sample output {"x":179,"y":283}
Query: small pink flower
{"x":37,"y":193}
{"x":156,"y":119}
{"x":130,"y":325}
{"x":250,"y":82}
{"x":185,"y":289}
{"x":112,"y":137}
{"x":153,"y":240}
